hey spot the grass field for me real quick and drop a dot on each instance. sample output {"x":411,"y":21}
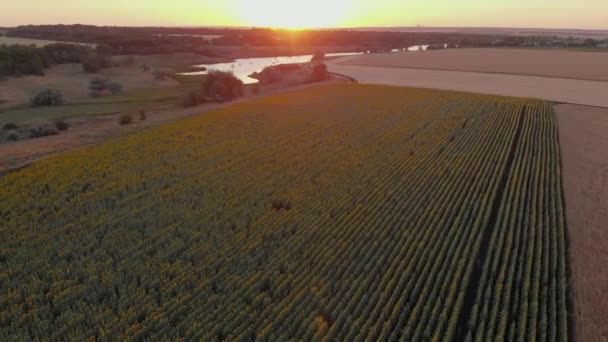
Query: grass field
{"x":342,"y":212}
{"x":116,"y":104}
{"x":141,"y":90}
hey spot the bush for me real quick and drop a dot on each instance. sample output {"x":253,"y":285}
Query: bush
{"x":161,"y":75}
{"x":61,"y":125}
{"x":114,"y":88}
{"x":100,"y":86}
{"x":222,"y":86}
{"x":129,"y":61}
{"x":319,"y":72}
{"x":42,"y":131}
{"x":13,"y":137}
{"x":142,"y":115}
{"x":9,"y":126}
{"x":48,"y":97}
{"x":435,"y":47}
{"x":125,"y":120}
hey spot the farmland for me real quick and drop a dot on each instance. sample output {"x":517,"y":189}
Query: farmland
{"x":581,"y":65}
{"x":28,"y":41}
{"x":498,"y":79}
{"x":584,"y":142}
{"x":344,"y":212}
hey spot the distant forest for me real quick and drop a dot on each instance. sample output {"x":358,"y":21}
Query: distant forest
{"x":155,"y":40}
{"x":16,"y":60}
{"x":234,"y":43}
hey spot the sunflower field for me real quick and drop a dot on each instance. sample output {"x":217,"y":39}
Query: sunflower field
{"x":341,"y":212}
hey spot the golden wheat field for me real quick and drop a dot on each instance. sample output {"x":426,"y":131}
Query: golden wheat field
{"x":340,"y":212}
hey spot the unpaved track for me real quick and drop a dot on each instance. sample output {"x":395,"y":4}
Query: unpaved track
{"x":584,"y":146}
{"x":591,"y":93}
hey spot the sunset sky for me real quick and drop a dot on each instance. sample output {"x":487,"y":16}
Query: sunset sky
{"x":587,"y":14}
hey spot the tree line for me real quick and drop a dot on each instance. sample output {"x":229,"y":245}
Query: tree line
{"x":156,"y":40}
{"x":18,"y":60}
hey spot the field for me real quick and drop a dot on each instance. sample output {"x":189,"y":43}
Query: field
{"x":74,"y":83}
{"x":28,"y":41}
{"x":141,"y":91}
{"x":528,"y":62}
{"x":384,"y":212}
{"x":584,"y":144}
{"x":591,"y":93}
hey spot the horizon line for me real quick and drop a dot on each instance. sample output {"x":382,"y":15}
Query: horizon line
{"x":322,"y":28}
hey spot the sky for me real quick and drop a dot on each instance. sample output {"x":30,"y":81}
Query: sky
{"x":583,"y":14}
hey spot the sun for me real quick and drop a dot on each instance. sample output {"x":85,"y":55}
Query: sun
{"x":297,"y":14}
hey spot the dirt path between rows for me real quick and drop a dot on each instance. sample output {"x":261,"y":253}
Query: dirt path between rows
{"x":584,"y":146}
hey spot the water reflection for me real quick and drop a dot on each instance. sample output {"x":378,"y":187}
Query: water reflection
{"x":244,"y":67}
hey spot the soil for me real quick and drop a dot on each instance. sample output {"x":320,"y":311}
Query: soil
{"x":584,"y":145}
{"x":592,"y":93}
{"x":529,"y":62}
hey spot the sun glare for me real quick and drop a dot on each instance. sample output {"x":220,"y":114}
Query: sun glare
{"x":293,"y":14}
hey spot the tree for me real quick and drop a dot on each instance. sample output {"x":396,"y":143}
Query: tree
{"x":318,"y":56}
{"x":222,"y":86}
{"x":319,"y":72}
{"x":98,"y":86}
{"x":590,"y":43}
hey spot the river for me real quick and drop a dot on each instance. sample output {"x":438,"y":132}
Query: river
{"x":244,"y":67}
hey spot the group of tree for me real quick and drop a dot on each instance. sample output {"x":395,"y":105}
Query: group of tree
{"x":95,"y":62}
{"x":18,"y":60}
{"x":156,"y":40}
{"x":217,"y":86}
{"x":293,"y":73}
